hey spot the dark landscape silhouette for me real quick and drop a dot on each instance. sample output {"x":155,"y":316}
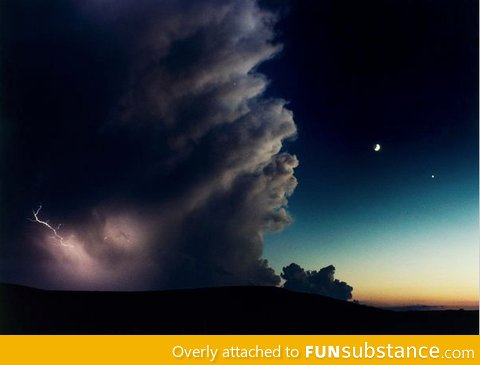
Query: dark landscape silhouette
{"x":222,"y":310}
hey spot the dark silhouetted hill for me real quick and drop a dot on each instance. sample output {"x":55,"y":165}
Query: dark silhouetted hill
{"x":229,"y":310}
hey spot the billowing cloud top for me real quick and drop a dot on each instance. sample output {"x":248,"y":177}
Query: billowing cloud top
{"x":172,"y":168}
{"x":317,"y":282}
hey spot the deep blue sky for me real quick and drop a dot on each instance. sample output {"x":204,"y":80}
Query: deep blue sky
{"x":403,"y":74}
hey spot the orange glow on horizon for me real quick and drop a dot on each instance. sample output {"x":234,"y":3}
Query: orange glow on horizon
{"x":391,"y":298}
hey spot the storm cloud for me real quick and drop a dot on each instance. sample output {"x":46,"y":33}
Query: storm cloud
{"x":146,"y":134}
{"x":317,"y":282}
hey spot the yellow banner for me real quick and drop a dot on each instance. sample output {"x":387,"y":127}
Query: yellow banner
{"x":233,"y":349}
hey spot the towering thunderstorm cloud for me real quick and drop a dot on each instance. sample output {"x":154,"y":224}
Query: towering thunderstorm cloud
{"x":170,"y":168}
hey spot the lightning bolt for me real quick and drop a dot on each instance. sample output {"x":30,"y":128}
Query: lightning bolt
{"x":57,"y":236}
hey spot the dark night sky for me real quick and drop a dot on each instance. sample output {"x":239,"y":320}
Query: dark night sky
{"x":403,"y":74}
{"x":142,"y":128}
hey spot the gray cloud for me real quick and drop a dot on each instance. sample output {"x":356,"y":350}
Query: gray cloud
{"x":318,"y":282}
{"x":189,"y":158}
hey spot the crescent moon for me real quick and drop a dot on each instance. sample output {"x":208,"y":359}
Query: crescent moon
{"x":377,"y":147}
